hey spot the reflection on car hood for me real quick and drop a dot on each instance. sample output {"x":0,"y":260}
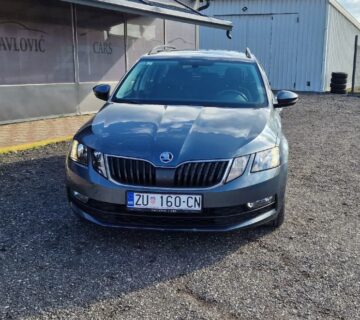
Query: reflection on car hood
{"x":188,"y":132}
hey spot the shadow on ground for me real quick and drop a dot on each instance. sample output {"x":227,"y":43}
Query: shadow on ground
{"x":49,"y":259}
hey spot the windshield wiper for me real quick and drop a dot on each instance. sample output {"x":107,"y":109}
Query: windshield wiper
{"x":133,"y":101}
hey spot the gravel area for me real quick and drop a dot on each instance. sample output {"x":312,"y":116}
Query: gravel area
{"x":54,"y":267}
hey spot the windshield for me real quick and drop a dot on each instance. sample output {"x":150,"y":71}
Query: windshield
{"x":193,"y":82}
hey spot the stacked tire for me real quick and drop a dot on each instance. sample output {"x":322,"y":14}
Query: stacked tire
{"x":338,"y":82}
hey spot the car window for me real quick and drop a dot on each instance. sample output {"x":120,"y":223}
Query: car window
{"x":193,"y":82}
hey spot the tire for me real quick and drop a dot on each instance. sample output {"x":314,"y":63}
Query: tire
{"x":337,"y":91}
{"x":279,"y":219}
{"x":338,"y":86}
{"x":338,"y":81}
{"x":339,"y":75}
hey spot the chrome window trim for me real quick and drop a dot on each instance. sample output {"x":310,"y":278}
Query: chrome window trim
{"x":222,"y":182}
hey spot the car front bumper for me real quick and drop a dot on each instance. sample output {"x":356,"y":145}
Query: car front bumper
{"x":224,"y":206}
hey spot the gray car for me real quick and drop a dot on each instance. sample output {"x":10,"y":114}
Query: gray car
{"x":189,"y":141}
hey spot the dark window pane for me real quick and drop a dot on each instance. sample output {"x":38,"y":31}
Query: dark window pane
{"x":36,"y":43}
{"x":101,"y":44}
{"x":143,"y":34}
{"x":180,"y":35}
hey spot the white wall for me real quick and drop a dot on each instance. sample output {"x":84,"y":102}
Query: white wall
{"x":302,"y":46}
{"x":340,"y":45}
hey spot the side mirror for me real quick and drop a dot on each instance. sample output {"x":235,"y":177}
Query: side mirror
{"x":102,"y":91}
{"x":285,"y":98}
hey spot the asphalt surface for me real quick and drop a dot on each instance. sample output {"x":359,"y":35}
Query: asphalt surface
{"x":54,"y":267}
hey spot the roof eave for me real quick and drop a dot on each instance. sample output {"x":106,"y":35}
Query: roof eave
{"x":345,"y":13}
{"x":144,"y":9}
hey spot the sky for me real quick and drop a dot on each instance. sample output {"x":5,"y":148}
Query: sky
{"x":353,"y":6}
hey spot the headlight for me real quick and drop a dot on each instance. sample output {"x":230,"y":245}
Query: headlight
{"x":79,"y":152}
{"x":266,"y":160}
{"x":238,"y":167}
{"x":99,"y":163}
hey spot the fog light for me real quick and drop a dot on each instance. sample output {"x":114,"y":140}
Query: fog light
{"x":80,"y":196}
{"x":261,"y":203}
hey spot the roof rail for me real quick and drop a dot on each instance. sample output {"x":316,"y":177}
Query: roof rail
{"x":248,"y":53}
{"x":161,"y":48}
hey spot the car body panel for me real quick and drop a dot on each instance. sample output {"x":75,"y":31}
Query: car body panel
{"x":190,"y":133}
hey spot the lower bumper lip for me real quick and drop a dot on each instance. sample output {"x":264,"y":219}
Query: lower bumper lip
{"x":255,"y":220}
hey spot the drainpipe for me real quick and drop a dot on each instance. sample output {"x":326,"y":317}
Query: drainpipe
{"x":355,"y":63}
{"x":205,"y":6}
{"x":325,"y":47}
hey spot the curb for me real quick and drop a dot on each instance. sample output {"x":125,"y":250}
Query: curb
{"x":33,"y":145}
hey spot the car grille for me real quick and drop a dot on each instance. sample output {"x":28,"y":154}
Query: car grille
{"x":131,"y":171}
{"x":187,"y":175}
{"x":200,"y":174}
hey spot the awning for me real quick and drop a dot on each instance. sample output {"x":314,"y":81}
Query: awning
{"x":167,"y":9}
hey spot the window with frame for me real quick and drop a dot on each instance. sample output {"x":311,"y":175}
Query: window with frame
{"x":101,"y":44}
{"x":36,"y":42}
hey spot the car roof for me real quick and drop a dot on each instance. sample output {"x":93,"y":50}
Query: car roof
{"x":202,"y":54}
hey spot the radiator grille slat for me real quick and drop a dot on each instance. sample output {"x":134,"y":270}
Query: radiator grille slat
{"x":200,"y":174}
{"x":187,"y":175}
{"x":143,"y":171}
{"x":222,"y":168}
{"x":137,"y":171}
{"x":212,"y":173}
{"x":206,"y":173}
{"x":131,"y":172}
{"x":117,"y":169}
{"x":193,"y":173}
{"x":123,"y":167}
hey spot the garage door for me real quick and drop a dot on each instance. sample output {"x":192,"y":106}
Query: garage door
{"x":272,"y":38}
{"x":283,"y":58}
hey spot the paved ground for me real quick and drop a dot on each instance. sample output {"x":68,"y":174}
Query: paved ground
{"x":33,"y":131}
{"x":54,"y":267}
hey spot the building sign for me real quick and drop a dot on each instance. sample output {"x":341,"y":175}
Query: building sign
{"x":23,"y":44}
{"x":33,"y":53}
{"x":101,"y":45}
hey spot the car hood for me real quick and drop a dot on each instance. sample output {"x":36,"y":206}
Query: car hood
{"x":188,"y":132}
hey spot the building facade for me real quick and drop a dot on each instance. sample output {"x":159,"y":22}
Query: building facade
{"x":299,"y":43}
{"x":53,"y":52}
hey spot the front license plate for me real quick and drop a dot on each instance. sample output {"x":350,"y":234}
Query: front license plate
{"x":164,"y":202}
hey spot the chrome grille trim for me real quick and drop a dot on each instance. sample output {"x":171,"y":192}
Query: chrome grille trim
{"x":184,"y":173}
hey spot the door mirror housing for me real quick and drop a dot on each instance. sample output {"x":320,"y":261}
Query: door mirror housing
{"x":102,"y":91}
{"x":285,"y":99}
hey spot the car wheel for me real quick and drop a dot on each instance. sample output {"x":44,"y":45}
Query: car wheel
{"x":279,"y":219}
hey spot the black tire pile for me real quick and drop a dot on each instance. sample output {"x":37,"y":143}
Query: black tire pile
{"x":338,"y":82}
